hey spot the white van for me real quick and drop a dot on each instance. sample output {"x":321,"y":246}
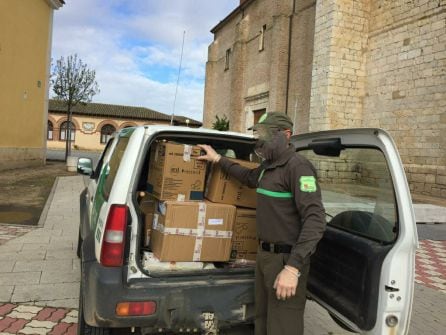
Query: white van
{"x":362,"y":272}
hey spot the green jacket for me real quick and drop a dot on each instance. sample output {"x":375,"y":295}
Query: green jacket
{"x":289,"y":205}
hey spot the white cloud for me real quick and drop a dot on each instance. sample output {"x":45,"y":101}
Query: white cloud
{"x":137,"y":90}
{"x":127,"y":41}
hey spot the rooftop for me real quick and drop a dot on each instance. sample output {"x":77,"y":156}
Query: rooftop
{"x":119,"y":112}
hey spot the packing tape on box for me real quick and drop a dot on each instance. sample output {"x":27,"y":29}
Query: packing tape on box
{"x":200,"y":232}
{"x":193,"y":232}
{"x":201,"y":224}
{"x":187,"y":152}
{"x":157,"y":149}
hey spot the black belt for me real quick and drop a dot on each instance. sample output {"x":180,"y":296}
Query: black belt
{"x":276,"y":248}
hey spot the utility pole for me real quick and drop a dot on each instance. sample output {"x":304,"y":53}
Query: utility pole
{"x":178,"y":79}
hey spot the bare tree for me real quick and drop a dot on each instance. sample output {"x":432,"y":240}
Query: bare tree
{"x":73,"y":83}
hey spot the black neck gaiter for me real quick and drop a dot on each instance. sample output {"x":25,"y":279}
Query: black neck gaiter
{"x":271,"y":150}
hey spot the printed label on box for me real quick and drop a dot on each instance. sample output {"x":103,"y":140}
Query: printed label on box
{"x":214,"y":222}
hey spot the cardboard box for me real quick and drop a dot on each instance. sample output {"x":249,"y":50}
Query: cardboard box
{"x":175,"y":173}
{"x":244,"y":237}
{"x":225,"y":189}
{"x":192,"y":231}
{"x":147,"y":205}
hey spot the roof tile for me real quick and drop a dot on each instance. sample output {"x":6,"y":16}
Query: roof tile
{"x":117,"y":111}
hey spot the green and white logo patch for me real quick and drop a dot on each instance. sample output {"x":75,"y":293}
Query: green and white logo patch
{"x":308,"y":184}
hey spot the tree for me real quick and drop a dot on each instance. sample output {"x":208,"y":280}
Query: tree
{"x":73,"y":83}
{"x":221,"y":124}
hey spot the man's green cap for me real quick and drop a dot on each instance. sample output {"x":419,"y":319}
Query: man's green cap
{"x":274,"y":119}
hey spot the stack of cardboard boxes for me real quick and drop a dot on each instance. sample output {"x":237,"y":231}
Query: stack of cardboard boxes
{"x":222,"y":188}
{"x":180,"y":224}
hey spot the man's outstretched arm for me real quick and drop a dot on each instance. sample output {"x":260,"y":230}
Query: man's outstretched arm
{"x":244,"y":175}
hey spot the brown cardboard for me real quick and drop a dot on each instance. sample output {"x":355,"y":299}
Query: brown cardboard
{"x":147,"y":205}
{"x":222,"y":188}
{"x":176,"y":226}
{"x":175,"y":173}
{"x":244,"y":237}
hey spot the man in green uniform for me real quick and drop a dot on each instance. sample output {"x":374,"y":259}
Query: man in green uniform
{"x":290,"y":223}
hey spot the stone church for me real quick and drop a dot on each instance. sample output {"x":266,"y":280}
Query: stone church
{"x":338,"y":64}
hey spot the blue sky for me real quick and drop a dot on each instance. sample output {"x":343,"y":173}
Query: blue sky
{"x":135,"y":48}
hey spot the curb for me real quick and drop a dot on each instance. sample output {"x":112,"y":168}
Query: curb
{"x":46,"y":208}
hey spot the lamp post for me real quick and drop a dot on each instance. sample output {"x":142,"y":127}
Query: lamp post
{"x":187,"y":122}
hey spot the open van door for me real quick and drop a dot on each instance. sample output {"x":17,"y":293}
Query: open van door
{"x":363,"y":269}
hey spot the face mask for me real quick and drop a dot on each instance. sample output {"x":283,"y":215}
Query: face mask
{"x":270,"y":150}
{"x":258,"y":149}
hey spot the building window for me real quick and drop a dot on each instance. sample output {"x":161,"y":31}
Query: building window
{"x":228,"y":54}
{"x":49,"y":135}
{"x":106,"y":132}
{"x":262,"y":38}
{"x":63,"y":131}
{"x":258,"y":114}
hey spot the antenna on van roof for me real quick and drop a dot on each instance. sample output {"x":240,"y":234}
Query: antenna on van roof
{"x":178,"y":79}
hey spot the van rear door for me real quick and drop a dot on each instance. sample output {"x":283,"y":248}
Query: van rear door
{"x":363,"y":269}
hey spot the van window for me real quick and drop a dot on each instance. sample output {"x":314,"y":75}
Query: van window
{"x":113,"y":165}
{"x":357,"y":192}
{"x":98,"y":167}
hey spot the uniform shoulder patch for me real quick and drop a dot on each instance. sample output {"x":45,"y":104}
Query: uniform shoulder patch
{"x":307,"y":184}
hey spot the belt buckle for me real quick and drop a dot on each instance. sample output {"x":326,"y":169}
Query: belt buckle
{"x":268,"y":246}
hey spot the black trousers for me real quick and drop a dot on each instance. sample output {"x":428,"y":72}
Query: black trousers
{"x":273,"y":316}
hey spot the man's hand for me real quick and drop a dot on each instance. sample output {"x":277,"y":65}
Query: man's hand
{"x":286,"y":282}
{"x":211,"y":154}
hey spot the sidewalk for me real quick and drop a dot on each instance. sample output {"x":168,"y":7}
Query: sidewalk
{"x":39,"y":268}
{"x":39,"y":277}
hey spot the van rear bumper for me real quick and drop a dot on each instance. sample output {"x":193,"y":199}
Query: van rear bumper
{"x":180,"y":304}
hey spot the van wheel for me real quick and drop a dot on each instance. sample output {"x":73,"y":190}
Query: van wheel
{"x":82,"y":327}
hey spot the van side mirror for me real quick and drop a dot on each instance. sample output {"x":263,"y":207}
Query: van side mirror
{"x":85,"y":166}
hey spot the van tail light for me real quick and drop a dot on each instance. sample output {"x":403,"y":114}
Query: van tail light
{"x":136,"y":308}
{"x":112,"y":251}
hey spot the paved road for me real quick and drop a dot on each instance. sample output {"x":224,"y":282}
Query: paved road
{"x":59,"y":155}
{"x":40,"y":268}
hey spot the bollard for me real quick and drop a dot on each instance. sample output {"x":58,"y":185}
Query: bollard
{"x":72,"y":163}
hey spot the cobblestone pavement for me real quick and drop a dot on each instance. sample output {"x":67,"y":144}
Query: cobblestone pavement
{"x":430,"y":272}
{"x":431,"y":264}
{"x":23,"y":319}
